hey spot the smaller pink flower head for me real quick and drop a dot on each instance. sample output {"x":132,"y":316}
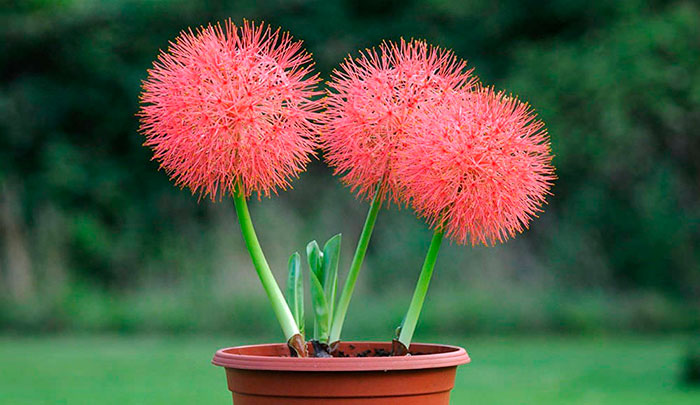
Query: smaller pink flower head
{"x":479,"y":166}
{"x":372,"y":105}
{"x":230,"y":108}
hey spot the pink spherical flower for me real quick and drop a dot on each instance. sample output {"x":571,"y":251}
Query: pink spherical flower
{"x":372,"y":105}
{"x":479,"y":166}
{"x":230,"y":108}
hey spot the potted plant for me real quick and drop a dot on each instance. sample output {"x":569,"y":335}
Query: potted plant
{"x":235,"y":111}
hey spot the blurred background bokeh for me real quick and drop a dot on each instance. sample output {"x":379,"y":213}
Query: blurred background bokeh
{"x":93,"y":238}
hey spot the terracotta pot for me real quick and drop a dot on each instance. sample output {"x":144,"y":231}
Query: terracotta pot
{"x":266,"y":375}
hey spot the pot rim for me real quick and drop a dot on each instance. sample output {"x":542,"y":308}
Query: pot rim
{"x":446,"y":356}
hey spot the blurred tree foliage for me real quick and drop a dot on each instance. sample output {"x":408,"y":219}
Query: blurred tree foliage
{"x":618,"y":84}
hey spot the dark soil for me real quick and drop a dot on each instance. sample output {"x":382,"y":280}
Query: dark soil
{"x":366,"y":353}
{"x":320,"y":349}
{"x":375,"y":352}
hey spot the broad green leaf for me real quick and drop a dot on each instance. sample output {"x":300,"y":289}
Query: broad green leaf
{"x":321,"y":310}
{"x":331,"y":257}
{"x":295,"y":290}
{"x":315,"y":259}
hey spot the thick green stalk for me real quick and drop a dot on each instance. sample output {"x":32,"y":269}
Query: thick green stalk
{"x":274,"y":294}
{"x":344,"y":300}
{"x":411,"y":319}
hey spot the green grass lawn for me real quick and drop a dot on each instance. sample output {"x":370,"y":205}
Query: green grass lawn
{"x":513,"y":370}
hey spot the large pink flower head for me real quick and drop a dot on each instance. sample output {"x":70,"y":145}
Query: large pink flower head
{"x":372,"y":104}
{"x":230,"y":108}
{"x":479,"y":166}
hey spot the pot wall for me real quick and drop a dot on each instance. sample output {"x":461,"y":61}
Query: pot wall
{"x":414,"y":387}
{"x":265,"y":374}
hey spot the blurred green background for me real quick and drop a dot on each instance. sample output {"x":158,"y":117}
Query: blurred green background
{"x":95,"y":240}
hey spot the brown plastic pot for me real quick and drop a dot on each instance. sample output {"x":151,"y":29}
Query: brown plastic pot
{"x":266,"y":375}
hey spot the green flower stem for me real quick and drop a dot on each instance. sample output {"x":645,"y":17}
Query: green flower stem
{"x":349,"y":287}
{"x":411,"y":319}
{"x":274,"y":294}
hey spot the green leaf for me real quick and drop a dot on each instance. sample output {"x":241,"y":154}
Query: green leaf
{"x":295,"y":290}
{"x":323,"y":275}
{"x":315,"y":259}
{"x":331,"y":257}
{"x":321,"y":310}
